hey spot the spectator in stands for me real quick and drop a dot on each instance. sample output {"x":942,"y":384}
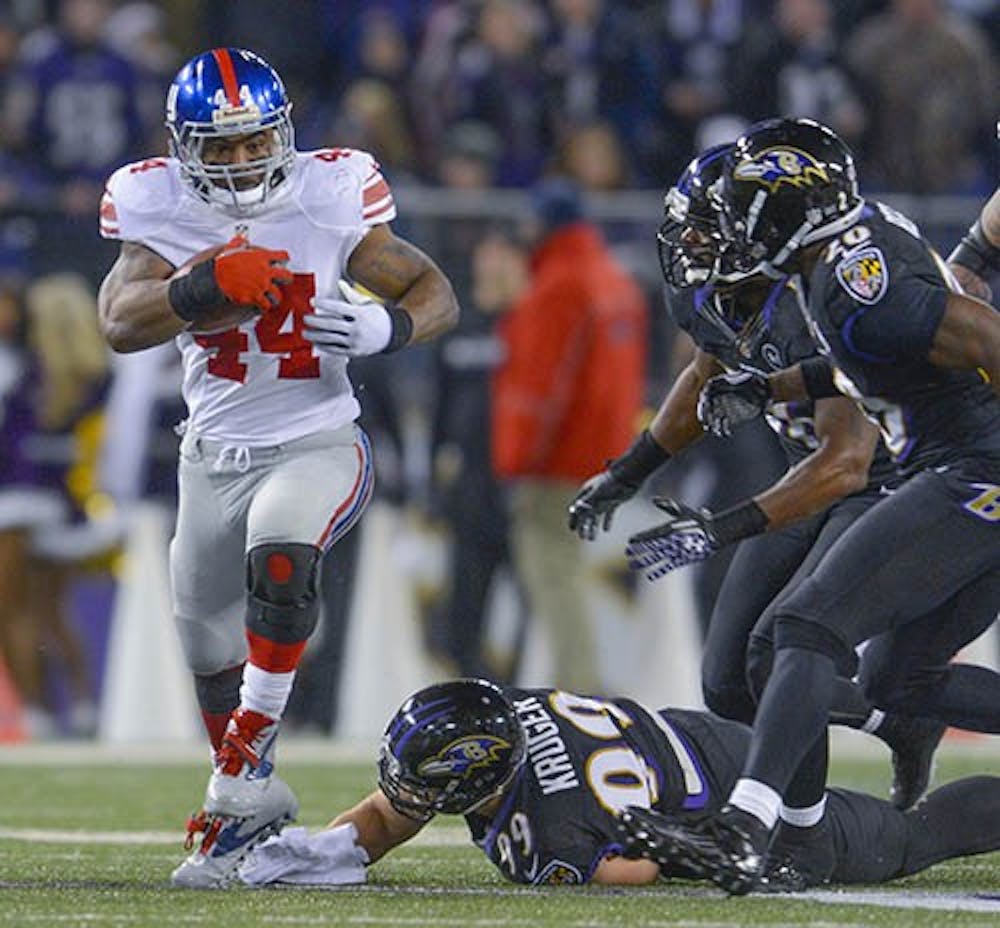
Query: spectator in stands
{"x":789,"y":66}
{"x":932,"y":92}
{"x":371,"y":115}
{"x":599,"y":68}
{"x":592,"y":154}
{"x":496,"y":80}
{"x":694,"y":40}
{"x":73,"y":110}
{"x":565,"y":399}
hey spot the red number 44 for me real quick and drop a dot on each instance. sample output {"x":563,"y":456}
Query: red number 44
{"x":298,"y":358}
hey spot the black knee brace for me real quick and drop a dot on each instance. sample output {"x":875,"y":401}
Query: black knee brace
{"x":793,"y":632}
{"x":282,"y":582}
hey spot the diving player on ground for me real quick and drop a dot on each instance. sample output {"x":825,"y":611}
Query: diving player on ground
{"x":541,"y":776}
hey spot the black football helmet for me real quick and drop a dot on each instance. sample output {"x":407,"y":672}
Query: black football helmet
{"x":450,"y":748}
{"x":787,"y":183}
{"x":690,"y":239}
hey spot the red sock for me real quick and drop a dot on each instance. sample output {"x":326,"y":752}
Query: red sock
{"x":215,"y":725}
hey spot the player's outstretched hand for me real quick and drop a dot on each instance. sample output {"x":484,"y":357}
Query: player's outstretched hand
{"x":596,"y":502}
{"x":685,"y":538}
{"x":354,"y":326}
{"x":729,"y":400}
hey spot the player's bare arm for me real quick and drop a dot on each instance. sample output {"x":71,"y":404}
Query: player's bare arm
{"x":968,"y":338}
{"x":380,"y":827}
{"x":396,"y":270}
{"x":676,"y":425}
{"x":979,"y":251}
{"x":837,"y":468}
{"x":133,"y":306}
{"x":617,"y":871}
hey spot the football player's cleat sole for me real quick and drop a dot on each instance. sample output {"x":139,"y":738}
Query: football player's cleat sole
{"x":708,"y":847}
{"x":783,"y":877}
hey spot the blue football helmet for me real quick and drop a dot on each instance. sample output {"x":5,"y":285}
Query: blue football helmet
{"x":788,"y":183}
{"x":690,"y":239}
{"x":222,"y":93}
{"x":450,"y":748}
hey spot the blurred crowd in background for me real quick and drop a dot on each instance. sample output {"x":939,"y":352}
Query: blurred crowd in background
{"x":468,"y":105}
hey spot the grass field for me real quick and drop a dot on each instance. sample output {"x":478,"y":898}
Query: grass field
{"x":89,"y":839}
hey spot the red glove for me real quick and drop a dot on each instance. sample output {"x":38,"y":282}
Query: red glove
{"x":236,"y":273}
{"x":247,"y":274}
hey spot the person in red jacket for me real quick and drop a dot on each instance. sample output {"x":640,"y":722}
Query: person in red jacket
{"x":565,"y":400}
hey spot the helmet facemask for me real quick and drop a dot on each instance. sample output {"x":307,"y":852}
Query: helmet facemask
{"x":224,"y":184}
{"x":690,"y":241}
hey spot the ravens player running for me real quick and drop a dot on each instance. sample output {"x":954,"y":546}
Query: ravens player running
{"x":832,"y":478}
{"x":237,"y":246}
{"x":923,"y":360}
{"x":541,"y":776}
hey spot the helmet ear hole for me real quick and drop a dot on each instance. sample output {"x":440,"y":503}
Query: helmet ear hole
{"x":450,"y":748}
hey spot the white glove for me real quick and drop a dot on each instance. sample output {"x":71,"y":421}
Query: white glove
{"x":355,"y":326}
{"x":327,"y":858}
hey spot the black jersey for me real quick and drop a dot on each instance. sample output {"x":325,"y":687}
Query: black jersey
{"x":764,"y":338}
{"x":587,"y":760}
{"x":875,"y":300}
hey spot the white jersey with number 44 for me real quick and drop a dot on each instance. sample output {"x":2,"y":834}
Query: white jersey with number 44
{"x":260,"y":383}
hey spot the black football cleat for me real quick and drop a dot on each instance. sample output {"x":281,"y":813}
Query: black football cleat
{"x":798,"y":858}
{"x":913,"y":742}
{"x":727,"y":848}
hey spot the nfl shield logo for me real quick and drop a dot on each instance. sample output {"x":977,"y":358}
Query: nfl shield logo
{"x":864,"y":274}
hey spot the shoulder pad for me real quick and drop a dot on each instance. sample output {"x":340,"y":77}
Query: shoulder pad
{"x":343,"y":187}
{"x":139,"y":198}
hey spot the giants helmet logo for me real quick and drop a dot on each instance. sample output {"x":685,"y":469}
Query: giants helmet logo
{"x":776,"y":166}
{"x":464,"y":755}
{"x":226,"y":112}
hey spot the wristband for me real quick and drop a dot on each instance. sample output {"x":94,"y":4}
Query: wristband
{"x":193,"y":293}
{"x":402,"y":328}
{"x":975,"y":252}
{"x":740,"y":521}
{"x":643,"y":457}
{"x":817,"y":375}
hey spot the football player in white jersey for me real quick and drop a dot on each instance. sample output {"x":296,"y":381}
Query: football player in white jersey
{"x":238,"y":246}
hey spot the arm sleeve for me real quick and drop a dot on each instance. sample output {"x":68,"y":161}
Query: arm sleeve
{"x":898,"y":328}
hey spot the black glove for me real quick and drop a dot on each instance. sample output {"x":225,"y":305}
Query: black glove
{"x":731,"y":399}
{"x":603,"y":493}
{"x":597,"y":499}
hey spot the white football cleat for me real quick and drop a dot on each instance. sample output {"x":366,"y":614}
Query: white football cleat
{"x":226,"y":838}
{"x":245,"y":803}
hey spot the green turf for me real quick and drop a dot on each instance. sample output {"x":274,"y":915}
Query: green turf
{"x":79,"y":884}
